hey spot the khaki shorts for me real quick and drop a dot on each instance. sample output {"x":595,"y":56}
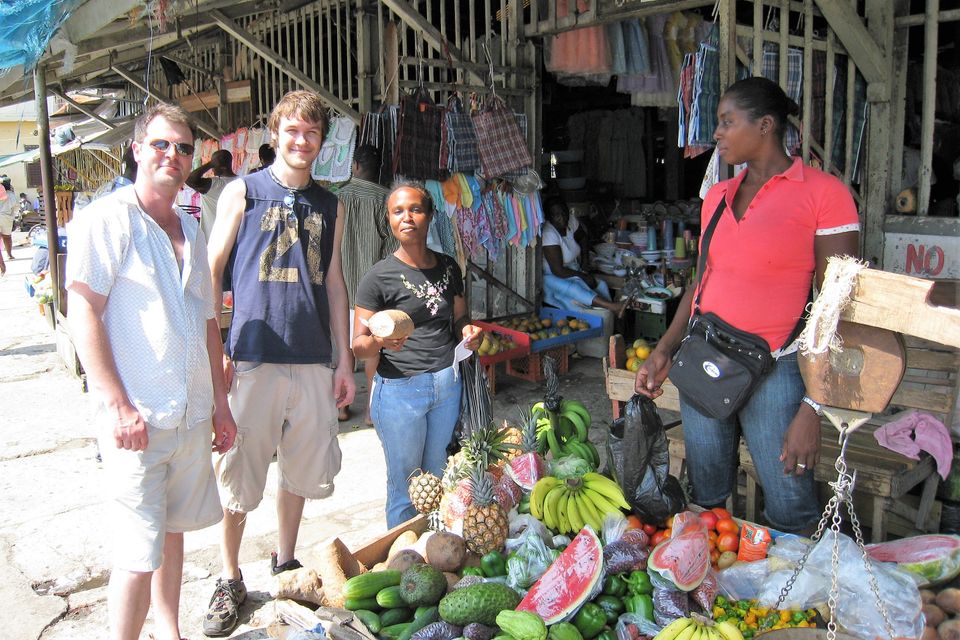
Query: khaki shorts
{"x":6,"y":225}
{"x":288,"y":409}
{"x":168,"y":488}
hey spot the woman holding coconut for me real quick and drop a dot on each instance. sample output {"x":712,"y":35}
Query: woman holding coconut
{"x":780,"y":222}
{"x":415,"y":399}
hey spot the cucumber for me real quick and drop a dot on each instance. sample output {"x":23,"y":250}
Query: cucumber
{"x":393,"y":631}
{"x":354,"y":604}
{"x":367,"y":585}
{"x":391,"y":617}
{"x":391,"y":598}
{"x":369,"y":619}
{"x":423,"y":617}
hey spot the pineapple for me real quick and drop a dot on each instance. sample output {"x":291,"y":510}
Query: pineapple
{"x":425,"y":492}
{"x":456,"y":490}
{"x":529,"y":466}
{"x":486,"y":446}
{"x":485,"y":524}
{"x":514,"y":438}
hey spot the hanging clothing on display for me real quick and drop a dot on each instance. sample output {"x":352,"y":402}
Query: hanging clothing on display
{"x":417,"y":150}
{"x":792,"y":86}
{"x":463,"y":153}
{"x":335,"y":160}
{"x":580,"y":51}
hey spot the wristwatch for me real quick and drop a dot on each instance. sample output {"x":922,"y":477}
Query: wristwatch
{"x":816,"y":406}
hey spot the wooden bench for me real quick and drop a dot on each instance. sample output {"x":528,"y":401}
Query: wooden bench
{"x":884,"y":478}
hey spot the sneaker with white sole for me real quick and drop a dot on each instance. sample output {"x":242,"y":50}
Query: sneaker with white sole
{"x":223,"y":612}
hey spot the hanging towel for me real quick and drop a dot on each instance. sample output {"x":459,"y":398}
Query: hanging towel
{"x":916,"y":432}
{"x":334,"y":162}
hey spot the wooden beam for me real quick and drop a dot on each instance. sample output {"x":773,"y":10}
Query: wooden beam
{"x":285,"y":67}
{"x":409,"y":14}
{"x":79,"y":107}
{"x":862,"y":47}
{"x":129,"y":77}
{"x":492,"y":279}
{"x":948,"y":15}
{"x":236,"y":91}
{"x":901,"y":303}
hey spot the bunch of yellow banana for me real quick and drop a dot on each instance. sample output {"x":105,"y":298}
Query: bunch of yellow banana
{"x":572,"y":425}
{"x":567,"y":505}
{"x":697,"y":627}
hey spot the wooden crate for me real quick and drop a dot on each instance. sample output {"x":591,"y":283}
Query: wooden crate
{"x":530,"y":368}
{"x":376,"y":550}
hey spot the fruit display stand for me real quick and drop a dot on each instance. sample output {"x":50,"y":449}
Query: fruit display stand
{"x":513,"y":344}
{"x":556,"y":338}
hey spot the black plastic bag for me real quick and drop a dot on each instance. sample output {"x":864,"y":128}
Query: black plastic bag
{"x":638,"y":458}
{"x":476,"y":404}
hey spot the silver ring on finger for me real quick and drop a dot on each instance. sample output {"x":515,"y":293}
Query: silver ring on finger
{"x":801,"y":465}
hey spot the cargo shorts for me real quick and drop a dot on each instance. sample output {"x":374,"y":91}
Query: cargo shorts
{"x":287,"y":409}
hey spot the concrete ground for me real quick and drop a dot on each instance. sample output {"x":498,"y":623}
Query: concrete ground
{"x":54,"y":563}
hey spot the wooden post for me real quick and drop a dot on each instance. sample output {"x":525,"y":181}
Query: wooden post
{"x":46,"y":175}
{"x":877,"y":197}
{"x":930,"y":26}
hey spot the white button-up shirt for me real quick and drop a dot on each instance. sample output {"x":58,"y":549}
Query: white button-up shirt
{"x":155,"y":317}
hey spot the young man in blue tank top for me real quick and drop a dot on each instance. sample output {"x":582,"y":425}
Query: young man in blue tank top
{"x":281,"y":234}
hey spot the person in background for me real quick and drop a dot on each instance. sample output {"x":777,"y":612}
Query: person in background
{"x":8,"y":213}
{"x":221,"y":162}
{"x":781,"y":221}
{"x":415,"y":400}
{"x":267,"y":156}
{"x":288,"y":345}
{"x":150,"y":345}
{"x":128,"y":175}
{"x":563,"y":280}
{"x":366,"y":234}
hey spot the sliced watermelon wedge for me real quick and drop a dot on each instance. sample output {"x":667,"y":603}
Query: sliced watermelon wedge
{"x":683,"y":560}
{"x":931,"y":559}
{"x":570,"y":581}
{"x":526,"y":469}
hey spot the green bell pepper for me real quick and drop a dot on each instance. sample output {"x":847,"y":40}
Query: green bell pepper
{"x":612,"y":607}
{"x":607,"y":634}
{"x":639,"y":583}
{"x":493,"y":564}
{"x":640,"y":604}
{"x":472,"y":571}
{"x":615,"y":585}
{"x":590,"y":620}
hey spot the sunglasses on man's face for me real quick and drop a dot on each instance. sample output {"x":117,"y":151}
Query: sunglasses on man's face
{"x":183,"y":148}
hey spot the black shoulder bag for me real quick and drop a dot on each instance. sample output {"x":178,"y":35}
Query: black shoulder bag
{"x":718,"y":366}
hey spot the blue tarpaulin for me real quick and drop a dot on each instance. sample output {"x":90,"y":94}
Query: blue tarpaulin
{"x":26,"y":27}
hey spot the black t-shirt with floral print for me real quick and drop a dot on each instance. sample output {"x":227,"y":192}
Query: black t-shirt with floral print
{"x":427,"y":296}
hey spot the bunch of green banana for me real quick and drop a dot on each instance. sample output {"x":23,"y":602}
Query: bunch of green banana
{"x":567,"y":505}
{"x":555,"y":429}
{"x":697,"y":627}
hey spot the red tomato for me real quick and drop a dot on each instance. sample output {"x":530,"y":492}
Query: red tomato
{"x":658,"y":537}
{"x":727,"y":525}
{"x":714,"y":556}
{"x":633,"y":522}
{"x":709,"y":519}
{"x":728,"y":542}
{"x":649,"y":529}
{"x":721,"y":513}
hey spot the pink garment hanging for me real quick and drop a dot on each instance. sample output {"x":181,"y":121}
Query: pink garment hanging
{"x":916,"y":432}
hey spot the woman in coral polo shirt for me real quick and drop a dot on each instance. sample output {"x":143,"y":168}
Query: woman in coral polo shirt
{"x":781,"y":222}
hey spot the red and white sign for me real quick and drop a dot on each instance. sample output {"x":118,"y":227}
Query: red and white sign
{"x":923,"y":256}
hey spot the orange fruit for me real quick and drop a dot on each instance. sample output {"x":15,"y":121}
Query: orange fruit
{"x":657,"y":538}
{"x":669,"y":522}
{"x":727,"y":525}
{"x":728,"y":542}
{"x":714,"y":556}
{"x":712,"y":537}
{"x":633,"y":522}
{"x":721,"y":513}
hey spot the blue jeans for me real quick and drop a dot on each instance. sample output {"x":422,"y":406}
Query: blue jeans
{"x":790,"y":501}
{"x":560,"y":292}
{"x":414,"y":418}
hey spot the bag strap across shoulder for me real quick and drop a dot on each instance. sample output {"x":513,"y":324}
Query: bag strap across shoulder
{"x":702,"y":266}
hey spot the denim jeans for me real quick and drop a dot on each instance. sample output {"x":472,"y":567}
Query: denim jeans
{"x":790,"y":501}
{"x":560,"y":292}
{"x":414,"y":418}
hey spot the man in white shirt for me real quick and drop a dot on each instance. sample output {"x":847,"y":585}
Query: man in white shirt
{"x":144,"y":327}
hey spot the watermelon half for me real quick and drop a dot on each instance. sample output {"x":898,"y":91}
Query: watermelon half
{"x":570,"y":581}
{"x":929,"y":558}
{"x":683,"y":560}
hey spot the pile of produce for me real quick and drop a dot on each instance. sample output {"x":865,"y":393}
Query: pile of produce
{"x":542,"y":328}
{"x":636,"y":353}
{"x":494,"y":343}
{"x":532,"y":541}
